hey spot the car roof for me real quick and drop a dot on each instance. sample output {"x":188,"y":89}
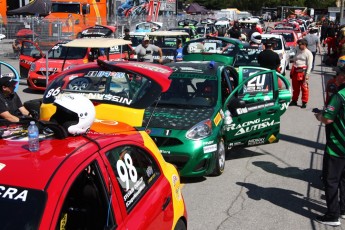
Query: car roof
{"x":271,"y":35}
{"x":34,"y":169}
{"x":97,"y":42}
{"x":283,"y":31}
{"x":21,"y":168}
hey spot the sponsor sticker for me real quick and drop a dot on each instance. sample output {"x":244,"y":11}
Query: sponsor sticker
{"x":210,"y":148}
{"x":217,"y":119}
{"x":256,"y":141}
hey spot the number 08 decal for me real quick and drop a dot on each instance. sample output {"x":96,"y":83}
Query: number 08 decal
{"x":126,"y":170}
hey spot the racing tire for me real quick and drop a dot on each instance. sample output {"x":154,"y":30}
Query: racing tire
{"x":220,"y":159}
{"x":180,"y":225}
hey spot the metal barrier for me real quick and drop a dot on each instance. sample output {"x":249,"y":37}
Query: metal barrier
{"x":48,"y":32}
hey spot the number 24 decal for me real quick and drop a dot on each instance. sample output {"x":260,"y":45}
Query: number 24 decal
{"x":126,"y":170}
{"x":257,"y":81}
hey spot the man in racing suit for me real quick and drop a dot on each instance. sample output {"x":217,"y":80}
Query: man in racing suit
{"x":300,"y":71}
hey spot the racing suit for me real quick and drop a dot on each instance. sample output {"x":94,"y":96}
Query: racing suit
{"x":303,"y":62}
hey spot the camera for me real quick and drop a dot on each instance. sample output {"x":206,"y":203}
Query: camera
{"x":316,"y":110}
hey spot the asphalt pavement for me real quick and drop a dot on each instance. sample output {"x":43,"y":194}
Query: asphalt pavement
{"x":273,"y":186}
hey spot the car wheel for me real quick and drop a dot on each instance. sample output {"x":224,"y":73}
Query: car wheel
{"x":180,"y":225}
{"x":220,"y":159}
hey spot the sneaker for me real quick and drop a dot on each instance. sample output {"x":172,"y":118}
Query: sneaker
{"x":328,"y":220}
{"x":293,"y":103}
{"x":304,"y":105}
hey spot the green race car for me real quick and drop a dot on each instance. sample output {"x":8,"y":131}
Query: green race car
{"x":211,"y":107}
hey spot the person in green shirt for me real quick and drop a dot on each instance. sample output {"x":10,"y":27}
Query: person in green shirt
{"x":333,"y":171}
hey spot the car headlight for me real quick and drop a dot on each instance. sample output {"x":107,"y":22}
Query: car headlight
{"x":200,"y":131}
{"x":32,"y":67}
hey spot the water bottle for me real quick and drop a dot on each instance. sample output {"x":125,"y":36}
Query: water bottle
{"x":33,"y":135}
{"x":227,"y":117}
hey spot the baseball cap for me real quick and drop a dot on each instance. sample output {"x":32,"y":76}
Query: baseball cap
{"x":7,"y":81}
{"x":146,"y":38}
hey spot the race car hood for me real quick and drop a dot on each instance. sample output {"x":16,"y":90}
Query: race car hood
{"x":175,"y":118}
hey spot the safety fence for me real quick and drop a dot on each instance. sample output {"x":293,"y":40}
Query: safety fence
{"x":46,"y":32}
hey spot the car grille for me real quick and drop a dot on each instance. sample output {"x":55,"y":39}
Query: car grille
{"x":178,"y":161}
{"x":39,"y":82}
{"x":166,"y":141}
{"x":43,"y":73}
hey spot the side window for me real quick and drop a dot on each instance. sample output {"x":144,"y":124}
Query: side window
{"x":262,"y":83}
{"x":136,"y":171}
{"x":281,"y":84}
{"x":86,"y":205}
{"x":227,"y":84}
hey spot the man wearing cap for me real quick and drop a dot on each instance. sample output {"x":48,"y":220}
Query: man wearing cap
{"x":334,"y":154}
{"x":127,"y":49}
{"x":127,"y":36}
{"x":145,"y":51}
{"x":268,"y":58}
{"x":300,"y":71}
{"x":10,"y":104}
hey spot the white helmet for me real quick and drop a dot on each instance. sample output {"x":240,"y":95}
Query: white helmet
{"x":74,"y":112}
{"x":256,"y":38}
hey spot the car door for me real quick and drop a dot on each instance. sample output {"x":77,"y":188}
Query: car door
{"x":256,"y":104}
{"x":29,"y":53}
{"x":145,"y":192}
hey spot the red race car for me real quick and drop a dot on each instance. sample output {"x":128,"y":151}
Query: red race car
{"x":111,"y":177}
{"x":67,"y":54}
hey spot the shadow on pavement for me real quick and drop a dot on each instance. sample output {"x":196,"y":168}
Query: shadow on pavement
{"x":238,"y":153}
{"x":288,"y":199}
{"x":28,"y":90}
{"x":311,"y":176}
{"x":304,"y":142}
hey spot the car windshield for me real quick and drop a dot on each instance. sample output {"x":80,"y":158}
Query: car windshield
{"x":65,"y":8}
{"x":59,"y":52}
{"x":21,"y":208}
{"x":247,"y":56}
{"x":97,"y":31}
{"x":212,"y":46}
{"x":104,"y":86}
{"x":201,"y":30}
{"x":190,"y":90}
{"x":288,"y":37}
{"x":278,"y":45}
